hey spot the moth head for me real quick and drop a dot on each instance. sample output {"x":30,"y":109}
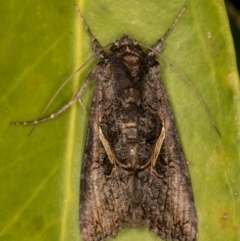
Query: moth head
{"x":126,"y":44}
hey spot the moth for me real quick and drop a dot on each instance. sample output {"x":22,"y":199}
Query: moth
{"x":134,"y":171}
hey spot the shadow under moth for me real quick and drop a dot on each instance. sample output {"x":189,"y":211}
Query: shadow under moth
{"x":134,"y":171}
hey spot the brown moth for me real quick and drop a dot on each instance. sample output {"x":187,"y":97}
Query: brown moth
{"x":134,"y":171}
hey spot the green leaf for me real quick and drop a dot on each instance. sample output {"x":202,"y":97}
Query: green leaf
{"x":41,"y":45}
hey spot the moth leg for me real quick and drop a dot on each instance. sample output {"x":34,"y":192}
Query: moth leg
{"x":156,"y":151}
{"x":96,"y":47}
{"x":89,"y":78}
{"x":80,"y":102}
{"x":158,"y":46}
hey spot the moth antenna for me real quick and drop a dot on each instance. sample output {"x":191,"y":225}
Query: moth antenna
{"x":79,"y":100}
{"x":158,"y":46}
{"x":66,"y":106}
{"x":84,"y":22}
{"x":40,"y":120}
{"x":155,"y":51}
{"x":200,"y":99}
{"x":163,"y":38}
{"x":65,"y":82}
{"x":196,"y":92}
{"x":96,"y":47}
{"x":58,"y":91}
{"x":98,"y":51}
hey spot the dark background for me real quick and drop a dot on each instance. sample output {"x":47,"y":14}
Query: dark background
{"x":236,"y":3}
{"x":233,"y":9}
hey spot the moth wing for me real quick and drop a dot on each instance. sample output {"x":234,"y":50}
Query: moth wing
{"x":159,"y":196}
{"x":168,"y":201}
{"x":102,"y":210}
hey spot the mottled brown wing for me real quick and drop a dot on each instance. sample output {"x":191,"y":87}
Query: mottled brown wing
{"x":159,"y":194}
{"x":102,"y":210}
{"x":168,"y":201}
